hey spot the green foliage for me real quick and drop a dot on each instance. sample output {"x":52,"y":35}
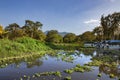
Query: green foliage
{"x":54,"y":37}
{"x":112,"y":76}
{"x":69,"y":38}
{"x":31,"y":28}
{"x":12,"y":30}
{"x":110,"y":26}
{"x":39,"y":35}
{"x":68,"y":78}
{"x":94,"y":63}
{"x":69,"y":71}
{"x":58,"y":73}
{"x":32,"y":44}
{"x":9,"y":48}
{"x":64,"y":46}
{"x":88,"y":36}
{"x":78,"y":68}
{"x":20,"y":46}
{"x":98,"y":31}
{"x":1,"y":31}
{"x":99,"y":75}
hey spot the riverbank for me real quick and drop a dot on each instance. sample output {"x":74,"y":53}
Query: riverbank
{"x":21,"y":46}
{"x":26,"y":47}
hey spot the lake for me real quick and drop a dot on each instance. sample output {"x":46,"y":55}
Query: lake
{"x":61,"y":61}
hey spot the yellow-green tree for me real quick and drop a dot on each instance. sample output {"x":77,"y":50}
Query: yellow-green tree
{"x":1,"y":31}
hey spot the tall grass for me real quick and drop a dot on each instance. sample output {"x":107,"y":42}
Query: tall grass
{"x":64,"y":46}
{"x":21,"y":46}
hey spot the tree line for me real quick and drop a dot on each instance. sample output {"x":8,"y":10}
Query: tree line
{"x":108,"y":29}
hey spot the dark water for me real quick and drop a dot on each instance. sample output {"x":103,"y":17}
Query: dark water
{"x":16,"y":70}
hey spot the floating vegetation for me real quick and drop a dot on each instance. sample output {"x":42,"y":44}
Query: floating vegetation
{"x":78,"y":68}
{"x":68,"y":59}
{"x":37,"y":75}
{"x":25,"y":77}
{"x":94,"y":63}
{"x":112,"y":76}
{"x":69,"y":71}
{"x":99,"y":75}
{"x":68,"y":78}
{"x":57,"y":73}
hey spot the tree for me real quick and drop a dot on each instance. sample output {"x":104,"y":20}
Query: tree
{"x":1,"y":31}
{"x":12,"y":30}
{"x":111,"y":25}
{"x":53,"y":36}
{"x":39,"y":35}
{"x":88,"y":36}
{"x":12,"y":27}
{"x":78,"y":39}
{"x":69,"y":38}
{"x":31,"y":28}
{"x":98,"y":31}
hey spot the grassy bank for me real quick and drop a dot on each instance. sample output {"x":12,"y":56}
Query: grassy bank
{"x":25,"y":46}
{"x":64,"y":46}
{"x":21,"y":46}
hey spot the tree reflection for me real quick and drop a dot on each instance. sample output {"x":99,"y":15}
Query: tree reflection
{"x":34,"y":63}
{"x":109,"y":70}
{"x":111,"y":62}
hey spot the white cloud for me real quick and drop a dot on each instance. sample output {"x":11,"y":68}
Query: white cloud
{"x":112,"y":0}
{"x":91,"y":21}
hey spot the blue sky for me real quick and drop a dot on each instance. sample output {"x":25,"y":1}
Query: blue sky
{"x":75,"y":16}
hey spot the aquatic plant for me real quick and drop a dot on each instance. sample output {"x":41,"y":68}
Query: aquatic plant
{"x":111,"y":75}
{"x":57,"y":73}
{"x":78,"y":68}
{"x":37,"y":74}
{"x":68,"y":78}
{"x":94,"y":63}
{"x":69,"y":71}
{"x":67,"y":58}
{"x":99,"y":75}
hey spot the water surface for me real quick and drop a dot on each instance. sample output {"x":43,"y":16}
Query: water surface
{"x":47,"y":63}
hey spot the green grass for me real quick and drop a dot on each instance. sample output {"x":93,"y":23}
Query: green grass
{"x":64,"y":46}
{"x":21,"y":46}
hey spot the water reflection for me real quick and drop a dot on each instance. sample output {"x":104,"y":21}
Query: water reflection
{"x":111,"y":63}
{"x":59,"y":62}
{"x":109,"y":70}
{"x":88,"y":52}
{"x":34,"y":63}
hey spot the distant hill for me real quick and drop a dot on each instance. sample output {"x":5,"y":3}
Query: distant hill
{"x":61,"y":33}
